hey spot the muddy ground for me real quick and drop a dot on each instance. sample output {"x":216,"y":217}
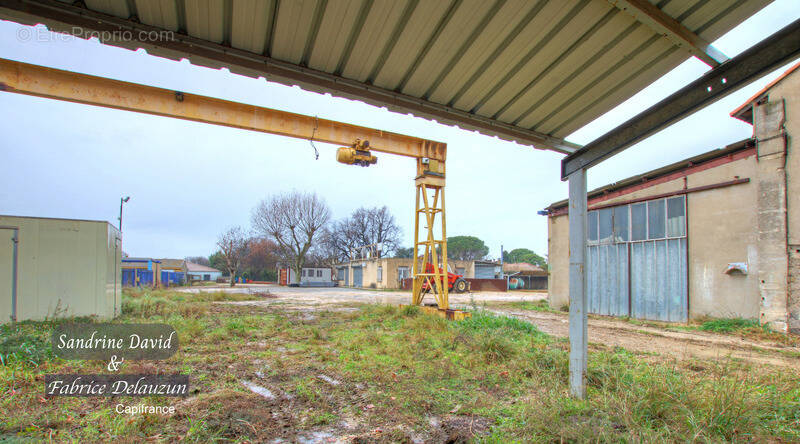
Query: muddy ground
{"x":603,"y":331}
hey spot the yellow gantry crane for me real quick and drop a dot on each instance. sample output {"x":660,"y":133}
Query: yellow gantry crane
{"x":429,"y":270}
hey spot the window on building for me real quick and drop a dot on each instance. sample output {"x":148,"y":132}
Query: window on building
{"x":605,"y":224}
{"x":656,"y":221}
{"x":303,"y":272}
{"x":621,"y":224}
{"x":206,"y":277}
{"x":380,"y":273}
{"x":592,"y":227}
{"x":319,"y":273}
{"x":651,"y":220}
{"x":402,"y":272}
{"x":638,"y":221}
{"x":676,"y":216}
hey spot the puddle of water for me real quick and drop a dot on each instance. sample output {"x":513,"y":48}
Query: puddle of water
{"x":257,"y":389}
{"x":328,"y":379}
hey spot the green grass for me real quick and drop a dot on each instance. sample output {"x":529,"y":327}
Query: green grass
{"x":393,"y":369}
{"x":540,"y":305}
{"x":729,"y":325}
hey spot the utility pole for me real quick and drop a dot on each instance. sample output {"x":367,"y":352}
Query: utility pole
{"x":122,"y":201}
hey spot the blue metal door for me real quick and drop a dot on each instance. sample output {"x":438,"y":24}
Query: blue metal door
{"x":358,"y":277}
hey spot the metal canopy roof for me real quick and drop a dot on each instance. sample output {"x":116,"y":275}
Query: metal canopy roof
{"x":523,"y":70}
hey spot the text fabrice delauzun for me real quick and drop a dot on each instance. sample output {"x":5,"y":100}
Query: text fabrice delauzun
{"x":116,"y":385}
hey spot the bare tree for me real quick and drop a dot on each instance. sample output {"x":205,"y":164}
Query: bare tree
{"x":233,"y":247}
{"x":201,"y":260}
{"x":292,"y":220}
{"x":366,"y":226}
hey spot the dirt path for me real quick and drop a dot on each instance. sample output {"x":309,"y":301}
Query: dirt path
{"x":681,"y":345}
{"x":605,"y":331}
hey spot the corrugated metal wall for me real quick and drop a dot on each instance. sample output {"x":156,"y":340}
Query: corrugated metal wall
{"x":484,"y":271}
{"x":608,"y":279}
{"x":658,"y":280}
{"x":637,"y":260}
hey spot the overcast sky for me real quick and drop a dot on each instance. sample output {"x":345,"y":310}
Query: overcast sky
{"x":189,"y":181}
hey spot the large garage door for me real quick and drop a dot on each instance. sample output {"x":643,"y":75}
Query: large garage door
{"x":8,"y":267}
{"x":637,"y":260}
{"x":358,"y":277}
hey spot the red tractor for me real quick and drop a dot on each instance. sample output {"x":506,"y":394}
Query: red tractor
{"x":456,"y":282}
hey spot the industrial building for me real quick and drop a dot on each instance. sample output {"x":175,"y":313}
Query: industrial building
{"x":392,"y":272}
{"x":714,"y":235}
{"x":53,"y":268}
{"x":150,"y":272}
{"x":198,"y":272}
{"x":525,"y":276}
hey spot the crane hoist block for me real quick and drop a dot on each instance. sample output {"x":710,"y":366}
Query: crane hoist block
{"x":357,"y":154}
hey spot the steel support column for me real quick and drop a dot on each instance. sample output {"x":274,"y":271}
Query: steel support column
{"x":578,"y":338}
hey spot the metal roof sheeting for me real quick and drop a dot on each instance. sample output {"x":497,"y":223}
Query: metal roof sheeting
{"x":546,"y":66}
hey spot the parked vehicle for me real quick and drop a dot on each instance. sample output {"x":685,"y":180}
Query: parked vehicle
{"x":455,"y":282}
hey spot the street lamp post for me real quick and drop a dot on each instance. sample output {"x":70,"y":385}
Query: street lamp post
{"x":122,"y":201}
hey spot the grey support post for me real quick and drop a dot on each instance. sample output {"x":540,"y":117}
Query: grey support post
{"x":577,"y":284}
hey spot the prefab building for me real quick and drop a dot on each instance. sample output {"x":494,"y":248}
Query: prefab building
{"x":58,"y":268}
{"x":388,"y":272}
{"x":311,"y":276}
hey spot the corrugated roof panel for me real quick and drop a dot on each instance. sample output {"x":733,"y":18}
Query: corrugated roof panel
{"x":292,"y":29}
{"x":537,"y":29}
{"x":644,"y":76}
{"x":679,"y":9}
{"x":546,"y":65}
{"x":468,"y":14}
{"x":606,"y":64}
{"x":641,"y":55}
{"x":334,"y":31}
{"x":411,"y":42}
{"x":564,"y":33}
{"x":582,"y":62}
{"x":704,"y":12}
{"x":373,"y":37}
{"x":206,"y":19}
{"x":251,"y":21}
{"x":161,"y":14}
{"x":729,"y":18}
{"x":111,"y":7}
{"x":561,"y":42}
{"x":509,"y":16}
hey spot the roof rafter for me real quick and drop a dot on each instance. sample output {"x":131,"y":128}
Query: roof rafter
{"x":660,"y":22}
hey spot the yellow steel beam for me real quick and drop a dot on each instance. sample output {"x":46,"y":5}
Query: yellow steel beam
{"x":33,"y":80}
